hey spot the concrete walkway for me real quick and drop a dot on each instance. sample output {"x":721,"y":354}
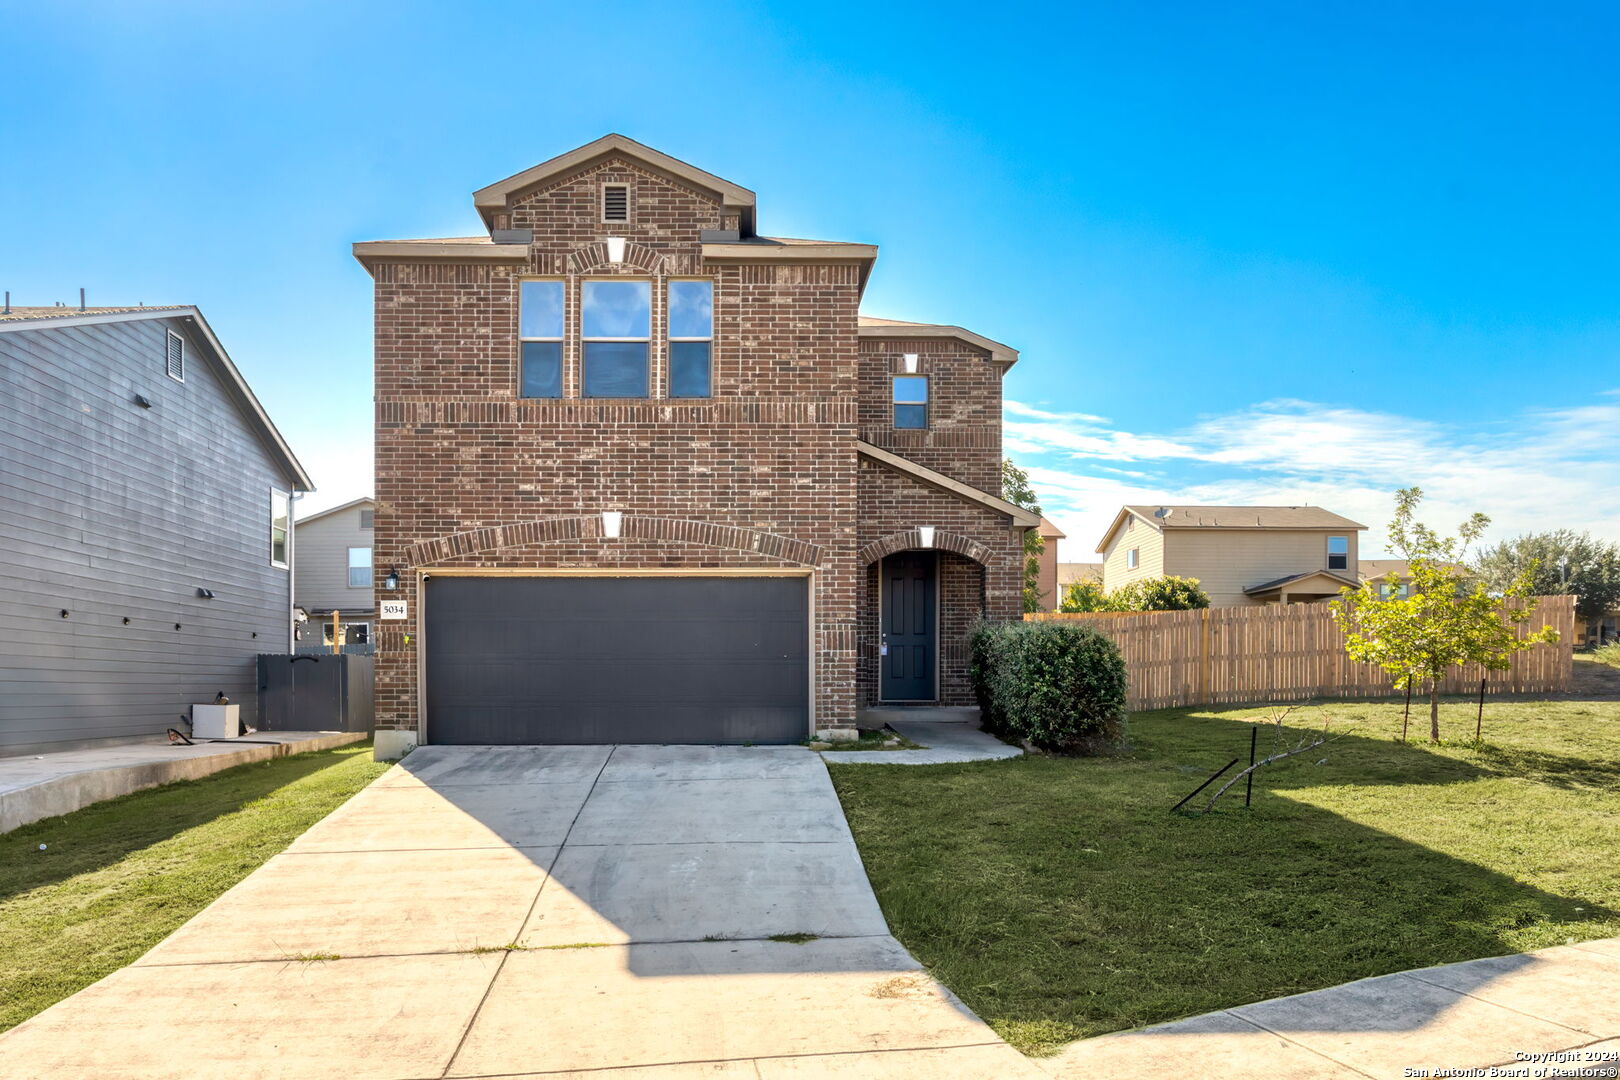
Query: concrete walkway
{"x":1473,"y":1015}
{"x":947,"y":743}
{"x":41,"y":786}
{"x":572,"y":911}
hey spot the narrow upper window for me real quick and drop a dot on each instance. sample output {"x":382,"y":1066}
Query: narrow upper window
{"x":615,"y":202}
{"x":540,"y":330}
{"x":1133,"y":558}
{"x":360,"y":568}
{"x":368,"y":519}
{"x":175,"y":357}
{"x":616,"y":319}
{"x":911,"y":401}
{"x":691,"y":338}
{"x":1338,"y":553}
{"x":280,"y":519}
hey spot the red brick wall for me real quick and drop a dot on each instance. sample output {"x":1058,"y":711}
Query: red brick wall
{"x":772,"y":451}
{"x":963,"y":437}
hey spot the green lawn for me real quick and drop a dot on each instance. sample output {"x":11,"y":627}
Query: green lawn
{"x":1061,"y":899}
{"x":118,"y":877}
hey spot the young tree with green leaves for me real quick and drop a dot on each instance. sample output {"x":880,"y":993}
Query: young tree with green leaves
{"x":1015,"y":488}
{"x":1448,"y":618}
{"x":1168,"y":593}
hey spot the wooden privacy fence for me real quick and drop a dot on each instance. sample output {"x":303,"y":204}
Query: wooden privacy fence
{"x":1292,"y":652}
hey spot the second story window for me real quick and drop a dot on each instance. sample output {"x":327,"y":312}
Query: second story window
{"x":368,"y":519}
{"x":359,"y":568}
{"x":616,"y":324}
{"x":691,"y":338}
{"x":1133,"y":558}
{"x":1338,"y":553}
{"x":280,"y":527}
{"x":911,"y":401}
{"x":540,"y":330}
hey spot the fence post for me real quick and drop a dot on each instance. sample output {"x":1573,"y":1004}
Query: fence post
{"x":1203,"y":658}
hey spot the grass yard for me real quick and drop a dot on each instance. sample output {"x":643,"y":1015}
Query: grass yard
{"x":1061,"y":899}
{"x":118,"y":877}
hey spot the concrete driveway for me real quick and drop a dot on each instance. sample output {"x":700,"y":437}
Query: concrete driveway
{"x":534,"y":911}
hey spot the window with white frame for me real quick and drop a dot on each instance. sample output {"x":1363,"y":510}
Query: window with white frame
{"x":1338,"y":552}
{"x":691,"y":339}
{"x":616,"y":328}
{"x":174,"y":358}
{"x":359,"y":568}
{"x":910,"y":401}
{"x":280,"y":521}
{"x":1133,"y":558}
{"x":540,"y":333}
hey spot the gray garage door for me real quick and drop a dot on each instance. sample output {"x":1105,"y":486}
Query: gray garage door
{"x":617,"y":660}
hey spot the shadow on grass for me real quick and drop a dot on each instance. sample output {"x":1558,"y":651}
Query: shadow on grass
{"x":1061,"y":899}
{"x":100,"y":835}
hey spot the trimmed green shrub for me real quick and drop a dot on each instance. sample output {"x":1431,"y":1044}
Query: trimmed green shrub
{"x":1058,"y":685}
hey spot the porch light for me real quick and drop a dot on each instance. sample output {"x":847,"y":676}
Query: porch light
{"x":391,"y":582}
{"x":615,"y":246}
{"x":925,"y":536}
{"x":612,"y":520}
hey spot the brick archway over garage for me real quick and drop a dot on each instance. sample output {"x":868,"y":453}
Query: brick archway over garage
{"x":912,"y":538}
{"x":632,"y":527}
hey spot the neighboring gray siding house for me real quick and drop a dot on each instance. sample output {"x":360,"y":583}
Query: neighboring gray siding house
{"x":335,"y":573}
{"x":138,"y":475}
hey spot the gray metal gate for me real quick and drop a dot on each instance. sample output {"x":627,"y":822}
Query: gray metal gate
{"x":315,"y":692}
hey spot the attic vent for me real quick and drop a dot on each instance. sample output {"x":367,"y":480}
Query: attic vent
{"x":176,"y":358}
{"x":368,"y":519}
{"x":616,"y":202}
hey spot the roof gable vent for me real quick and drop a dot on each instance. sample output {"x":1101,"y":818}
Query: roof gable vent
{"x":175,"y":360}
{"x":616,"y":202}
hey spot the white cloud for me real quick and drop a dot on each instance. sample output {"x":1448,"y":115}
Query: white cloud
{"x":1543,"y":469}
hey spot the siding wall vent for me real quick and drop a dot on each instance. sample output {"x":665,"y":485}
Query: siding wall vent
{"x":616,"y":202}
{"x":175,"y":361}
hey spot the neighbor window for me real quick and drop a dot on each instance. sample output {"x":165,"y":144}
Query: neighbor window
{"x":1338,"y":553}
{"x":360,"y":568}
{"x":368,"y":518}
{"x":691,"y":338}
{"x":1133,"y":558}
{"x":616,"y":319}
{"x":174,"y":358}
{"x":1388,"y":591}
{"x":540,"y":328}
{"x":911,"y":401}
{"x":280,"y":519}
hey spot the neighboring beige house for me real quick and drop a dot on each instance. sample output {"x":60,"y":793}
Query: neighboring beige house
{"x":1243,"y":555}
{"x":1379,"y":570}
{"x":1048,"y":580}
{"x":335,"y":573}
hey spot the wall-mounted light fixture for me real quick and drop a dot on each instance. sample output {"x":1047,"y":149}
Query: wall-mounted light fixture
{"x":205,"y":594}
{"x":391,"y":582}
{"x":142,"y":401}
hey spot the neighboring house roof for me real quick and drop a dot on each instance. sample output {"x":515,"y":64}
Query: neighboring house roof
{"x":1049,"y":531}
{"x":1230,"y":517}
{"x":494,"y":198}
{"x":1071,"y":572}
{"x":364,"y":502}
{"x":1377,"y":568}
{"x":57,"y":311}
{"x":235,"y":384}
{"x":1020,"y":516}
{"x":870,"y":326}
{"x":1294,"y":579}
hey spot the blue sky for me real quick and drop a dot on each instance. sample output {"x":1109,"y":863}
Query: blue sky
{"x":1250,"y":252}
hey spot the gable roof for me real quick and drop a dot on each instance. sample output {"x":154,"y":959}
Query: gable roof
{"x":493,"y":198}
{"x":1050,"y":531}
{"x":1021,"y":517}
{"x":1291,"y":579}
{"x":365,"y":502}
{"x":1229,"y":517}
{"x":871,"y":326}
{"x":235,"y":385}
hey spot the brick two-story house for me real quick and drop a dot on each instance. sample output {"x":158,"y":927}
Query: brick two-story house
{"x":646,"y":475}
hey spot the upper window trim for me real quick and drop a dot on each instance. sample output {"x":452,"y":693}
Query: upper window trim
{"x":287,"y":538}
{"x":171,"y":339}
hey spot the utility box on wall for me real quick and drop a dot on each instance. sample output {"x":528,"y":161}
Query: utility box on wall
{"x":315,"y":692}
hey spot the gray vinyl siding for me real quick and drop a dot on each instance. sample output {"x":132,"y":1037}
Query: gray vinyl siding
{"x":109,"y":511}
{"x":323,"y":563}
